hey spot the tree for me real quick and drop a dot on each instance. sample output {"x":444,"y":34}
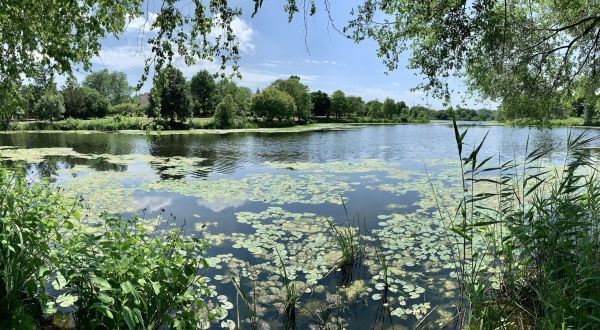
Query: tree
{"x":203,"y":92}
{"x":321,"y":103}
{"x":401,"y":107}
{"x":389,"y":107}
{"x":522,"y":52}
{"x":50,"y":106}
{"x":112,"y":85}
{"x":299,"y":92}
{"x":272,"y":103}
{"x":170,"y":96}
{"x":339,"y":104}
{"x":225,"y":112}
{"x":374,"y":109}
{"x":241,"y":95}
{"x":356,"y":106}
{"x":83,"y":102}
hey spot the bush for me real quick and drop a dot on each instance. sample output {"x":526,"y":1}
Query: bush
{"x":128,"y":109}
{"x":225,"y":112}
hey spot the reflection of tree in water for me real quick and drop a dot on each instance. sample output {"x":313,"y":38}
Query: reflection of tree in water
{"x":92,"y":143}
{"x":220,"y":153}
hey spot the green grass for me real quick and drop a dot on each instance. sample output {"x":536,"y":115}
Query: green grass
{"x":564,"y":122}
{"x":98,"y":124}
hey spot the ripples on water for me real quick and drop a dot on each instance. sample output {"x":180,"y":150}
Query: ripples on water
{"x":243,"y":155}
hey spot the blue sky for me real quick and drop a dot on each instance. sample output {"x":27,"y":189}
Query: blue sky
{"x":272,"y":48}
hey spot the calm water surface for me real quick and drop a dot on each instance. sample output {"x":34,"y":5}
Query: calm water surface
{"x":252,"y":193}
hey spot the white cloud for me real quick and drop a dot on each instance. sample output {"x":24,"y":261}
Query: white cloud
{"x":141,"y":23}
{"x":242,"y":31}
{"x":153,"y":203}
{"x":122,"y":58}
{"x":218,"y":206}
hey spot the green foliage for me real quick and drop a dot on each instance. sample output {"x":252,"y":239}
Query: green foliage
{"x":241,"y":95}
{"x":127,"y":109}
{"x":321,"y":104}
{"x":389,"y":108}
{"x":170,"y":96}
{"x":125,"y":278}
{"x":299,"y":92}
{"x":50,"y":106}
{"x":339,"y":103}
{"x":541,"y":249}
{"x":203,"y":91}
{"x":84,"y":102}
{"x":225,"y":112}
{"x":356,"y":106}
{"x":31,"y":217}
{"x":374,"y":108}
{"x":466,"y":114}
{"x":272,"y":103}
{"x":112,"y":85}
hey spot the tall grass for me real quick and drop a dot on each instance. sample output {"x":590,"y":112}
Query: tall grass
{"x":528,"y":250}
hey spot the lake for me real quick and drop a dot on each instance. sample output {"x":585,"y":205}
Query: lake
{"x":263,"y":200}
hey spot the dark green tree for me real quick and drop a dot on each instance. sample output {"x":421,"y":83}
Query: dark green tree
{"x":170,"y":96}
{"x":321,"y":103}
{"x":299,"y":92}
{"x":50,"y":106}
{"x":204,"y":93}
{"x":225,"y":112}
{"x":356,"y":106}
{"x":112,"y":85}
{"x":339,"y":103}
{"x":389,"y":108}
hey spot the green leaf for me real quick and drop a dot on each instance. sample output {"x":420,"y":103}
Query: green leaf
{"x":129,"y":317}
{"x":59,"y":282}
{"x":101,"y":283}
{"x":66,"y":300}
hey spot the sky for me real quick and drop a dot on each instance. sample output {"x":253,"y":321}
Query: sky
{"x":271,"y":48}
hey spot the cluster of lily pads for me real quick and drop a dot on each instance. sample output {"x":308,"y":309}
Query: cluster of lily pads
{"x":420,"y":269}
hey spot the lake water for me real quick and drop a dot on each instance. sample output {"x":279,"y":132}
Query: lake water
{"x":253,"y":196}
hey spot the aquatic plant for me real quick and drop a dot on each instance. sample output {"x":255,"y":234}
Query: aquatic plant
{"x":292,"y":295}
{"x":532,"y":259}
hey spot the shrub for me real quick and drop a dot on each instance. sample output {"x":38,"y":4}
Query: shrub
{"x":225,"y":112}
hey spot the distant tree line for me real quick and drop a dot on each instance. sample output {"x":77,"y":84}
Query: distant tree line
{"x":175,"y":99}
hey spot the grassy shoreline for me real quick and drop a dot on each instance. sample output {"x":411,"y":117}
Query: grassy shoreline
{"x":195,"y":125}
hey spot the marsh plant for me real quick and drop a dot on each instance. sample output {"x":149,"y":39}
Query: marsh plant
{"x":248,"y":297}
{"x":119,"y":276}
{"x":291,"y":296}
{"x":31,"y":219}
{"x":349,"y":239}
{"x":527,"y":239}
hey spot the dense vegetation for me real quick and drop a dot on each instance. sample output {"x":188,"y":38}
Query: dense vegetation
{"x":528,"y":250}
{"x":177,"y":101}
{"x":127,"y":274}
